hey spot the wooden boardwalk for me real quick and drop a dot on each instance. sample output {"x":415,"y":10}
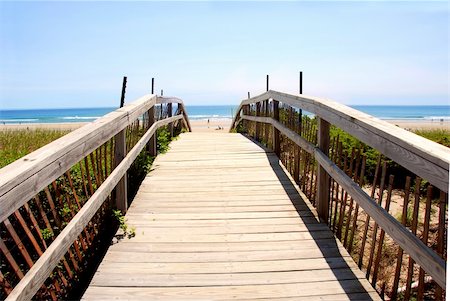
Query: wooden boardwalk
{"x":219,"y":218}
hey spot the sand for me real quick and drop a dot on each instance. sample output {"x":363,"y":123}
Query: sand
{"x":222,"y":123}
{"x":197,"y":126}
{"x":421,"y":125}
{"x":52,"y":126}
{"x":212,"y":126}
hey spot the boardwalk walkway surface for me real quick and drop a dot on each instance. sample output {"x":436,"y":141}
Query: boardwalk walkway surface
{"x":219,"y":218}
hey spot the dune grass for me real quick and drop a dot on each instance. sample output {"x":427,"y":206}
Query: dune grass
{"x":15,"y":144}
{"x":441,"y":136}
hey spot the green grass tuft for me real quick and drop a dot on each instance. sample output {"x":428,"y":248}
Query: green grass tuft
{"x":15,"y":144}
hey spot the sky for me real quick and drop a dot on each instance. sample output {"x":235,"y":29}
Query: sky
{"x":74,"y":54}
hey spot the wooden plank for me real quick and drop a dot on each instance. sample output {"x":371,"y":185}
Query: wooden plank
{"x":243,"y":222}
{"x":296,"y":289}
{"x":117,"y":276}
{"x":223,"y":229}
{"x":39,"y":272}
{"x":25,"y":177}
{"x":416,"y":248}
{"x":223,"y":209}
{"x":217,"y":216}
{"x":221,"y":256}
{"x":232,"y":237}
{"x":424,"y":256}
{"x":425,"y":158}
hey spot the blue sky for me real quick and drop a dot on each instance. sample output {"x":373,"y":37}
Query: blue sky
{"x":74,"y":54}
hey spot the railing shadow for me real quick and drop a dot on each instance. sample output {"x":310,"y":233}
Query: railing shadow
{"x":330,"y":248}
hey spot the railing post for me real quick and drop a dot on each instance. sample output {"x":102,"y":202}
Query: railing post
{"x":258,"y":124}
{"x":245,"y":111}
{"x":323,"y":179}
{"x":151,"y":145}
{"x":169,"y":114}
{"x":120,"y":150}
{"x":266,"y":126}
{"x":276,"y":133}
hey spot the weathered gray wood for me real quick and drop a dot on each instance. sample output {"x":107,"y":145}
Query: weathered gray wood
{"x":120,"y":152}
{"x":323,"y":179}
{"x":297,"y":139}
{"x":22,"y":179}
{"x":424,"y":256}
{"x":233,"y":220}
{"x":151,"y":146}
{"x":434,"y":265}
{"x":40,"y":271}
{"x":162,"y":100}
{"x":258,"y":125}
{"x":425,"y":158}
{"x":276,"y":132}
{"x":306,"y":291}
{"x":169,"y":114}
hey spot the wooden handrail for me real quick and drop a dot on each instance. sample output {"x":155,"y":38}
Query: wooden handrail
{"x":421,"y":156}
{"x":46,"y":164}
{"x":161,"y":99}
{"x":424,"y":256}
{"x":24,"y":178}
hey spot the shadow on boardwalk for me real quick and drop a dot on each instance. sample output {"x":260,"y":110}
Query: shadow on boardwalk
{"x":331,"y":249}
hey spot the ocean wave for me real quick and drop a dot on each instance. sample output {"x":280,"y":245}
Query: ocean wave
{"x":211,"y":117}
{"x":421,"y":118}
{"x":18,"y":120}
{"x":437,"y":117}
{"x":78,"y":117}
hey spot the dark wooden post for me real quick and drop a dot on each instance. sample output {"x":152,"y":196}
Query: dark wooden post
{"x":323,"y":179}
{"x":266,"y":125}
{"x":169,"y":114}
{"x":301,"y":83}
{"x":245,"y":111}
{"x":297,"y":150}
{"x":276,"y":133}
{"x":258,"y":124}
{"x":120,"y":152}
{"x":151,"y":145}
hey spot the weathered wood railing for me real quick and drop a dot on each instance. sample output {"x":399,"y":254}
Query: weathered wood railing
{"x":53,"y":202}
{"x":333,"y":179}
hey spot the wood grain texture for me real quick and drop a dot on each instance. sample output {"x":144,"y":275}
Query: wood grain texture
{"x":427,"y":258}
{"x":24,"y":178}
{"x":424,"y":256}
{"x":42,"y":268}
{"x":323,"y":179}
{"x":219,"y":218}
{"x":425,"y":158}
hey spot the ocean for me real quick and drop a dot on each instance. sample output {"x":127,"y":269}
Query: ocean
{"x":423,"y":113}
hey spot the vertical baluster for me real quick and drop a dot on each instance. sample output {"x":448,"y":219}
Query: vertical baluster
{"x":414,"y":231}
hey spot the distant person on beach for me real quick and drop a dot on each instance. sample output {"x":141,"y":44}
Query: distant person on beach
{"x":208,"y":123}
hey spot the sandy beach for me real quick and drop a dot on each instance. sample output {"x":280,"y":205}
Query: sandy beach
{"x":421,"y":125}
{"x":214,"y":125}
{"x":222,"y":125}
{"x":68,"y":126}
